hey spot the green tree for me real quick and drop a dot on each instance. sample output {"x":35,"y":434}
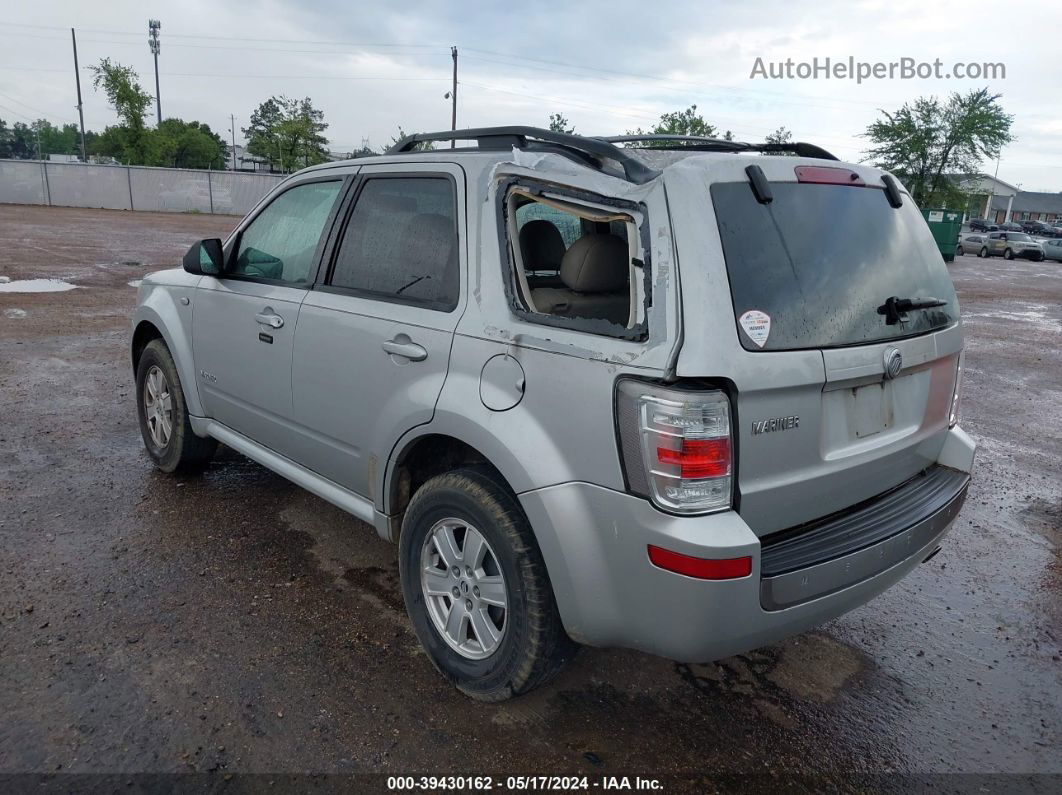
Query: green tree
{"x":420,"y":146}
{"x":109,"y":143}
{"x":780,"y":136}
{"x":180,"y":144}
{"x":925,"y":142}
{"x":288,"y":133}
{"x":55,"y":140}
{"x":682,"y":122}
{"x":365,"y":150}
{"x":20,"y":142}
{"x":558,"y":122}
{"x":121,"y":84}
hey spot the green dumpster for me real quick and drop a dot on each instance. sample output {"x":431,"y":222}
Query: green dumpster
{"x":945,"y":226}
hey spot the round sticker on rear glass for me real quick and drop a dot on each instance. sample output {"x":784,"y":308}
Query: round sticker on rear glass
{"x":757,"y":325}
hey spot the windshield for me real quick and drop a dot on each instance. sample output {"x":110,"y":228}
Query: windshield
{"x":1018,"y":237}
{"x":812,"y":268}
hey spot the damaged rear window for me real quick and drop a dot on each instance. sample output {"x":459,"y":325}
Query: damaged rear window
{"x":576,"y":265}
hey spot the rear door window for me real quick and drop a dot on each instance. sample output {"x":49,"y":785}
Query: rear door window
{"x":400,"y":243}
{"x":810,"y":269}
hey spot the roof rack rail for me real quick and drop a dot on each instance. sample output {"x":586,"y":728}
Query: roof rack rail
{"x":705,"y":144}
{"x":520,"y":137}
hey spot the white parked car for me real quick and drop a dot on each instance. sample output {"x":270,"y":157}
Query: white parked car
{"x":1053,"y":249}
{"x":970,"y":243}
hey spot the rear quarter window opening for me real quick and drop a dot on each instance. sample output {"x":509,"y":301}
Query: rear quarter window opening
{"x":576,"y":261}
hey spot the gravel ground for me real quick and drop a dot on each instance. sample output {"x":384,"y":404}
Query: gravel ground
{"x":234,"y":623}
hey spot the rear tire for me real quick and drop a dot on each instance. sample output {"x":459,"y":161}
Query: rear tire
{"x":163,"y":414}
{"x":959,"y":251}
{"x":525,"y":641}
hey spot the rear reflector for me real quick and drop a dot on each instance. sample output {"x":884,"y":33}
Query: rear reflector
{"x":827,"y":175}
{"x":700,"y":568}
{"x":699,"y":458}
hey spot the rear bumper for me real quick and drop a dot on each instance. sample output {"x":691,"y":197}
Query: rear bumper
{"x":595,"y":540}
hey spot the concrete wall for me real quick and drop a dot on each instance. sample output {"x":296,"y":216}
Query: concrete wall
{"x":131,"y":187}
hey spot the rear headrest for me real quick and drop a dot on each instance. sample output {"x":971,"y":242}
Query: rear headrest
{"x":596,"y":264}
{"x":541,"y":245}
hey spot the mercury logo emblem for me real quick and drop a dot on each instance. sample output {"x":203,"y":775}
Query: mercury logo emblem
{"x":893,"y":363}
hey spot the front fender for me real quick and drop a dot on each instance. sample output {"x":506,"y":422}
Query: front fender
{"x":161,"y":307}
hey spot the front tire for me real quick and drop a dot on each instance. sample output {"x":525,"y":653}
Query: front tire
{"x":983,"y":253}
{"x":476,"y":587}
{"x":1008,"y":254}
{"x":163,"y":414}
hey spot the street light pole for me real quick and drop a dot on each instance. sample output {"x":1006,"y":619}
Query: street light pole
{"x":154,"y":26}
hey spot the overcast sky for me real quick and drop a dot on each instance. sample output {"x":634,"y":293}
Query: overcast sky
{"x":609,"y":67}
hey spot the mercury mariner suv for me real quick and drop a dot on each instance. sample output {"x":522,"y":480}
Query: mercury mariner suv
{"x":680,"y":395}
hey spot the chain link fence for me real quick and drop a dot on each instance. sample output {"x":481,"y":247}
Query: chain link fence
{"x":175,"y":190}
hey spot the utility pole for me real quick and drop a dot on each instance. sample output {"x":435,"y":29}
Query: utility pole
{"x":453,"y":96}
{"x":154,"y":26}
{"x":992,"y":193}
{"x":232,"y":129}
{"x":37,"y":129}
{"x":80,"y":109}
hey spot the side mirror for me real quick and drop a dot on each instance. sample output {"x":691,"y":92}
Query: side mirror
{"x":205,"y":258}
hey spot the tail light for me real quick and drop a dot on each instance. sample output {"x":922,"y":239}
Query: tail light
{"x":956,"y":397}
{"x":676,"y":445}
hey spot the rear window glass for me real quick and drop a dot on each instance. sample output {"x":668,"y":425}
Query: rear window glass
{"x":819,"y":260}
{"x":400,"y":243}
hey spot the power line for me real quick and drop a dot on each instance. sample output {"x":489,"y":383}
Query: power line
{"x":200,"y":36}
{"x":610,"y":74}
{"x":30,"y":69}
{"x":561,"y":102}
{"x":35,"y":110}
{"x":257,"y":76}
{"x":511,"y":60}
{"x":21,"y":115}
{"x":516,"y":61}
{"x":307,"y":77}
{"x":226,"y":47}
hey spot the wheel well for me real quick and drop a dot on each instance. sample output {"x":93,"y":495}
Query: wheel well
{"x":145,"y":332}
{"x":422,"y":460}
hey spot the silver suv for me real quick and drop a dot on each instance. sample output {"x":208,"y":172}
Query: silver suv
{"x":677,"y":395}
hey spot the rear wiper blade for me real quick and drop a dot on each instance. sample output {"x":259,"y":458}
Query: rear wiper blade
{"x":896,"y":308}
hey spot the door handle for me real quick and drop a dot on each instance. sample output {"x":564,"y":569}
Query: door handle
{"x":267,"y":318}
{"x":405,"y":349}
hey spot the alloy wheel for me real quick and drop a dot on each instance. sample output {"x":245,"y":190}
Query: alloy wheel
{"x":158,"y":406}
{"x":463,"y":588}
